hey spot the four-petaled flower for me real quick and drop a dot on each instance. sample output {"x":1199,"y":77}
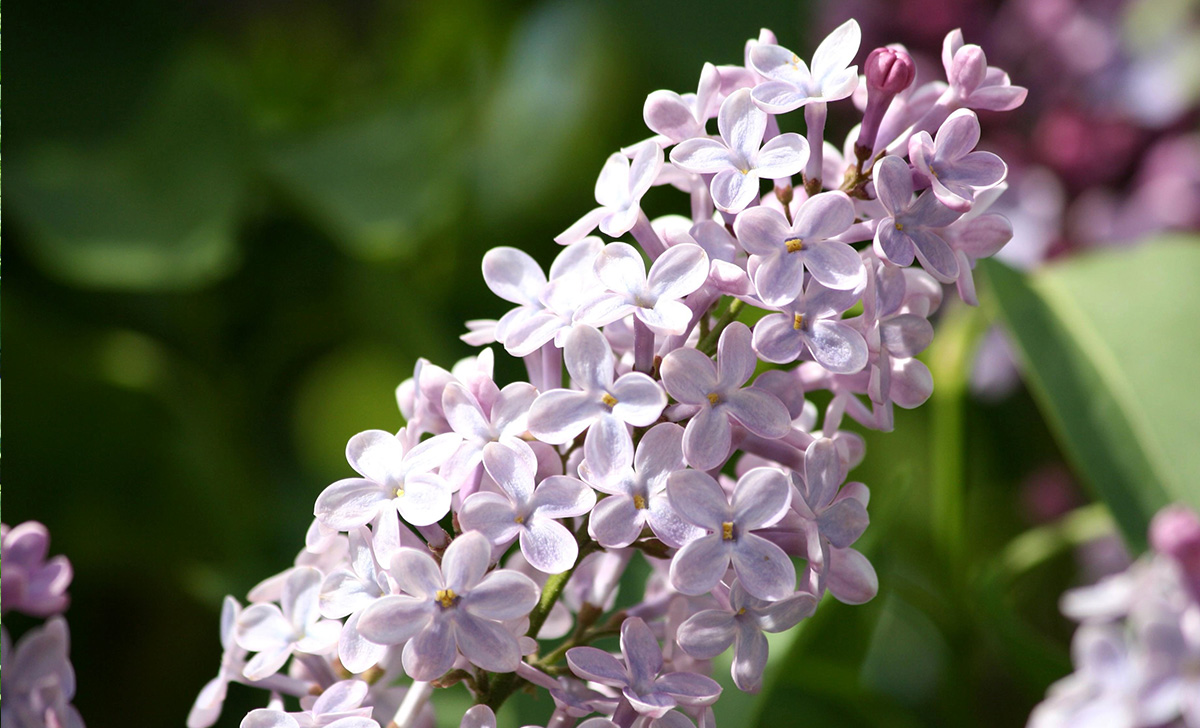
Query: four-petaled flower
{"x":911,"y":225}
{"x":619,"y":191}
{"x":275,"y":632}
{"x":526,"y":511}
{"x":691,"y":378}
{"x":653,"y":298}
{"x":813,"y":322}
{"x":760,"y":499}
{"x":792,"y":84}
{"x":948,"y":162}
{"x":451,"y":609}
{"x":737,"y":159}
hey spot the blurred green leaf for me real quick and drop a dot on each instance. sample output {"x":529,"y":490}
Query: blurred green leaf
{"x":1107,"y":340}
{"x":380,"y":185}
{"x":156,"y":208}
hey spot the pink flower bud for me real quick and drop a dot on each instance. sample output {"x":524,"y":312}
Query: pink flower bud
{"x":890,"y":70}
{"x":1175,"y":532}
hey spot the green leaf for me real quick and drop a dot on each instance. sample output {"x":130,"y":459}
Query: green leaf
{"x":1108,"y":342}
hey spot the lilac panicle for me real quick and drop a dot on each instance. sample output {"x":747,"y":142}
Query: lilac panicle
{"x":32,"y":583}
{"x":659,"y":396}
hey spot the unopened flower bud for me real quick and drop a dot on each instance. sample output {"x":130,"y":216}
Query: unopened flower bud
{"x":1175,"y":532}
{"x":889,"y":70}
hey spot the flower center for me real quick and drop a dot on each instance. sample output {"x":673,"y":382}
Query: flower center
{"x":741,"y":611}
{"x":608,"y":400}
{"x":399,"y":492}
{"x":899,"y":225}
{"x":794,"y":245}
{"x":798,"y":322}
{"x":727,"y":531}
{"x":446,"y":597}
{"x":639,"y":502}
{"x":714,"y":399}
{"x":519,"y":519}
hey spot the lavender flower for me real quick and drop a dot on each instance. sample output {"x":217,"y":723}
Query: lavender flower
{"x":792,"y":84}
{"x":910,"y":226}
{"x":691,"y":378}
{"x":336,"y":707}
{"x":954,"y":171}
{"x":737,"y":160}
{"x":813,"y":323}
{"x":619,"y":191}
{"x":207,"y":707}
{"x":275,"y":632}
{"x":760,"y":499}
{"x":975,"y":84}
{"x":784,"y":251}
{"x":642,"y":685}
{"x":451,"y":609}
{"x":32,"y":584}
{"x":683,"y":117}
{"x":653,"y":298}
{"x":39,"y":681}
{"x":526,"y":511}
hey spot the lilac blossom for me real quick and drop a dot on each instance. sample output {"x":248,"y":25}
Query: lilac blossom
{"x":974,"y":236}
{"x":760,"y":499}
{"x":740,"y":159}
{"x":636,"y":484}
{"x":275,"y":632}
{"x":393,"y":477}
{"x":336,"y":707}
{"x":527,"y":512}
{"x":911,"y":226}
{"x":647,"y":691}
{"x":32,"y":584}
{"x":39,"y":681}
{"x":653,"y":298}
{"x":793,"y":84}
{"x":975,"y":84}
{"x":683,"y":117}
{"x":451,"y":608}
{"x":783,"y":252}
{"x":207,"y":707}
{"x":346,"y":592}
{"x":830,"y":519}
{"x":949,"y":164}
{"x":691,"y":378}
{"x":708,"y":633}
{"x":559,"y":415}
{"x":619,"y":191}
{"x":813,"y":323}
{"x":479,"y":425}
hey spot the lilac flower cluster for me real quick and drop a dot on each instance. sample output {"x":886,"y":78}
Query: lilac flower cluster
{"x":39,"y":681}
{"x":484,"y":542}
{"x":1137,"y":649}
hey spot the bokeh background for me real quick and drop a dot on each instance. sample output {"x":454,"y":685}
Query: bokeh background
{"x":234,"y":225}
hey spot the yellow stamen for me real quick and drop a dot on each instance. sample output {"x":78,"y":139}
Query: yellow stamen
{"x":399,"y":493}
{"x":741,"y":611}
{"x":519,"y":519}
{"x":727,"y":531}
{"x":899,"y":226}
{"x":608,"y":400}
{"x":446,"y":597}
{"x":744,"y":171}
{"x":798,"y":322}
{"x":713,"y":398}
{"x":794,"y":245}
{"x":639,"y":502}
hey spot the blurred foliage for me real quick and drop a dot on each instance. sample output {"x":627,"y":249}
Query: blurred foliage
{"x":236,"y":227}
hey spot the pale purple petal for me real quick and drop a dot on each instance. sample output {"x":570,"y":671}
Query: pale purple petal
{"x":394,"y":619}
{"x":513,"y":275}
{"x":679,"y":271}
{"x":548,"y":546}
{"x":559,"y":415}
{"x":977,"y":169}
{"x":375,"y":454}
{"x":426,"y":499}
{"x":613,"y":183}
{"x":935,"y":255}
{"x":688,"y":375}
{"x":478,"y":716}
{"x":893,"y":245}
{"x":958,"y":134}
{"x":357,"y":653}
{"x":834,"y":264}
{"x":350,"y":503}
{"x":778,"y":64}
{"x":639,"y":399}
{"x":750,"y":659}
{"x":843,"y":522}
{"x":779,"y":97}
{"x":561,"y":496}
{"x":689,"y":688}
{"x":589,"y":358}
{"x":702,"y":156}
{"x":852,"y":579}
{"x":464,"y":413}
{"x":759,"y":411}
{"x":416,"y":572}
{"x":823,"y":472}
{"x":264,"y":718}
{"x":778,"y":278}
{"x":660,"y":451}
{"x":837,"y":51}
{"x":761,"y":230}
{"x":666,"y":113}
{"x":581,"y":227}
{"x":741,"y":123}
{"x":735,"y":357}
{"x":666,"y":318}
{"x":838,"y":347}
{"x":906,"y":335}
{"x":263,"y":627}
{"x":621,"y":269}
{"x":783,"y":156}
{"x":734,"y":189}
{"x":616,"y":522}
{"x":503,"y":594}
{"x":893,"y":184}
{"x":491,"y":514}
{"x":512,"y":466}
{"x":707,"y":634}
{"x":643,"y":656}
{"x":608,"y":453}
{"x":430,"y":653}
{"x":596,"y":665}
{"x":430,"y":454}
{"x":465,"y":561}
{"x":700,"y":564}
{"x":647,"y":162}
{"x":777,"y":340}
{"x":764,"y":570}
{"x":668,"y":526}
{"x":787,"y":612}
{"x":761,"y":498}
{"x":707,"y":439}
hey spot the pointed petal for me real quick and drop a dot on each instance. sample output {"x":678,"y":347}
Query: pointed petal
{"x":837,"y":51}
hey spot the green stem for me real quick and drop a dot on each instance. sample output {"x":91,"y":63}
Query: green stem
{"x":708,"y":344}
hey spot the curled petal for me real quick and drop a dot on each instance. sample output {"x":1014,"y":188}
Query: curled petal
{"x":852,"y":579}
{"x":750,"y":659}
{"x":596,"y":665}
{"x":707,"y":634}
